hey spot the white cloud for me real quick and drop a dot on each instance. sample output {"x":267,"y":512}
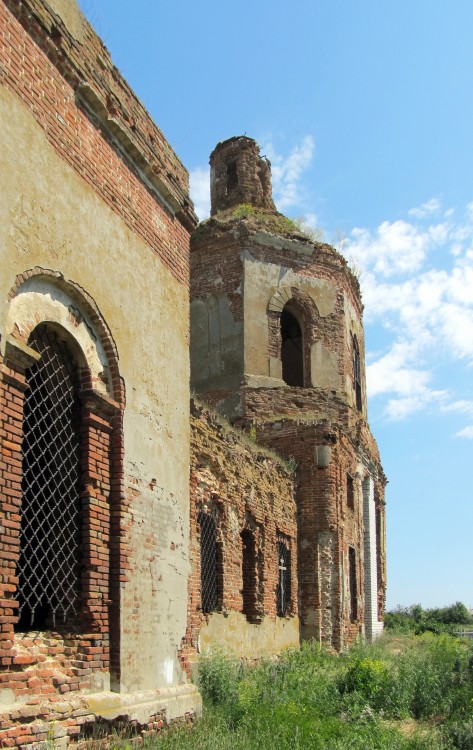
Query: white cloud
{"x":392,"y":373}
{"x":287,"y":172}
{"x":199,"y":182}
{"x":417,"y":283}
{"x":467,"y":432}
{"x":396,"y":373}
{"x":397,"y":247}
{"x":462,"y":407}
{"x":400,"y":408}
{"x":430,"y":207}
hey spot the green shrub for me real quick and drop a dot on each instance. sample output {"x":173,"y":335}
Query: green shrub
{"x":416,"y":620}
{"x":218,"y":678}
{"x":309,"y":699}
{"x":460,"y":734}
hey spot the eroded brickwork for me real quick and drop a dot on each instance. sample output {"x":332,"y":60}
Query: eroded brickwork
{"x":238,"y":174}
{"x":268,"y":305}
{"x":250,"y":493}
{"x":91,"y":117}
{"x":97,"y":217}
{"x":286,"y":554}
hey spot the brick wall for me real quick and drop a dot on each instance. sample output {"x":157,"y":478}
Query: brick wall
{"x":327,"y":526}
{"x":239,"y":175}
{"x":259,"y":261}
{"x":250,"y":491}
{"x":46,"y":67}
{"x":66,"y":94}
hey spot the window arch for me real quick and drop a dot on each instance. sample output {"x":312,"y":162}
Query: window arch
{"x":209,"y":563}
{"x":292,"y":348}
{"x":49,"y":567}
{"x":283,"y":590}
{"x":80,"y":339}
{"x":353,"y":586}
{"x":357,"y":374}
{"x":250,"y":575}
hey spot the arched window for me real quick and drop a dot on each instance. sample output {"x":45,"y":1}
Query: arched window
{"x":209,"y":563}
{"x":49,"y":567}
{"x":357,"y":374}
{"x":283,"y":592}
{"x":352,"y":584}
{"x":292,"y":353}
{"x":232,"y":176}
{"x":250,"y":591}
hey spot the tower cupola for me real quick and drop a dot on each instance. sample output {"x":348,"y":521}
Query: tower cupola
{"x":238,"y":174}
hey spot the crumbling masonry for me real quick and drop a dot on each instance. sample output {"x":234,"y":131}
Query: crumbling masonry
{"x":114,"y":575}
{"x":277,"y":347}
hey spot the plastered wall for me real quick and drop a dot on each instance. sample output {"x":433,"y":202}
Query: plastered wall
{"x":89,"y":246}
{"x":153,"y":421}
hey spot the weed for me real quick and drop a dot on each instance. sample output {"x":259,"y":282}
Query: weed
{"x":252,"y":433}
{"x":411,"y":693}
{"x":291,"y":464}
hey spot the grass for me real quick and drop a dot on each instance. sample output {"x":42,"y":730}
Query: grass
{"x":403,"y":693}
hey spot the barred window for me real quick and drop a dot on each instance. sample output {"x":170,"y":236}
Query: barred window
{"x":51,"y":523}
{"x":209,"y":563}
{"x":283,"y":593}
{"x":352,"y":583}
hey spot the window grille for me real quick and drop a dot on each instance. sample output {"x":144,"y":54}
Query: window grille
{"x":208,"y":563}
{"x":283,"y":594}
{"x":50,"y":537}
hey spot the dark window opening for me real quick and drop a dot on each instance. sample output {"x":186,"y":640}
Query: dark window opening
{"x":283,"y":593}
{"x":209,"y":563}
{"x":292,"y":354}
{"x":357,"y":374}
{"x":232,"y":176}
{"x":350,"y":492}
{"x":250,"y":575}
{"x":51,"y":523}
{"x":352,"y":583}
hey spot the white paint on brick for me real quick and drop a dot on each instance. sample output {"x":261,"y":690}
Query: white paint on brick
{"x":373,"y":628}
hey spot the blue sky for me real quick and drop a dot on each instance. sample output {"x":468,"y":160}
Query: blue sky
{"x":366,"y":112}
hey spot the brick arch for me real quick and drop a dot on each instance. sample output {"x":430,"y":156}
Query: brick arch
{"x":86,"y":313}
{"x":285,"y":294}
{"x":43,"y":296}
{"x":251,"y":536}
{"x":302,"y":306}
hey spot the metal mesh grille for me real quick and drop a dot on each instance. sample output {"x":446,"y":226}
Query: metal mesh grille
{"x":208,"y":563}
{"x":50,"y":540}
{"x":283,"y":593}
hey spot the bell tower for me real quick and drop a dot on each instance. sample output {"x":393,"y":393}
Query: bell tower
{"x":277,"y":346}
{"x":239,"y":175}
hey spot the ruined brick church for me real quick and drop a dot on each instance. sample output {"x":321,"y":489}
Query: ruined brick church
{"x":116,"y":571}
